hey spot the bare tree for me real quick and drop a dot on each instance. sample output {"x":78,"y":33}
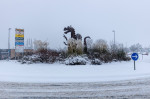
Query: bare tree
{"x":100,"y":45}
{"x":38,"y":44}
{"x":136,"y":48}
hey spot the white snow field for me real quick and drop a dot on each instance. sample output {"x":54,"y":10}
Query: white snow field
{"x":13,"y":71}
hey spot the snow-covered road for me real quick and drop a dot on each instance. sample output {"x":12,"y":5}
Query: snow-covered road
{"x":128,"y":89}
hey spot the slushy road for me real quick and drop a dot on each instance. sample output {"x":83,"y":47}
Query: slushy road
{"x":128,"y":89}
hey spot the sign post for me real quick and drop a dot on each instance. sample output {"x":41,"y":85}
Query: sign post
{"x":134,"y":57}
{"x":19,"y":41}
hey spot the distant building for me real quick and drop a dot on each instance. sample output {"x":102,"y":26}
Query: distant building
{"x":4,"y":54}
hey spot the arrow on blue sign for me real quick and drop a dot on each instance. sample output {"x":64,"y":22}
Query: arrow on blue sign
{"x":135,"y":56}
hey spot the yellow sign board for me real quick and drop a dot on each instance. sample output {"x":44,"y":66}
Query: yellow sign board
{"x":19,"y":35}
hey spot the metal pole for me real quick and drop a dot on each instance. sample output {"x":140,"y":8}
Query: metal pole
{"x":114,"y":37}
{"x":9,"y":43}
{"x":114,"y":40}
{"x":142,"y":56}
{"x":15,"y":54}
{"x":134,"y":66}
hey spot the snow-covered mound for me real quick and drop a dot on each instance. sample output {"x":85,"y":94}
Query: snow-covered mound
{"x":82,"y":60}
{"x":76,"y":60}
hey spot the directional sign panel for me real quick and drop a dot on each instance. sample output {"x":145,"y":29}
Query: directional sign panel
{"x":19,"y":38}
{"x":135,"y":56}
{"x":19,"y":43}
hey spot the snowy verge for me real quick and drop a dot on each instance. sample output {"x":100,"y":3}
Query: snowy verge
{"x":13,"y":71}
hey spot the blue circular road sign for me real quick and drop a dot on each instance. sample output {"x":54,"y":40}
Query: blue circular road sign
{"x":135,"y":56}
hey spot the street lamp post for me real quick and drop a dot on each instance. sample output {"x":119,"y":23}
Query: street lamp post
{"x":9,"y":43}
{"x":114,"y":37}
{"x":114,"y":47}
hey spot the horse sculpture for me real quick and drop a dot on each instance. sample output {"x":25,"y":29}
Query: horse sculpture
{"x":74,"y":36}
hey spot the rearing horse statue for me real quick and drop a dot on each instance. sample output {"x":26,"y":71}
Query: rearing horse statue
{"x":75,"y":36}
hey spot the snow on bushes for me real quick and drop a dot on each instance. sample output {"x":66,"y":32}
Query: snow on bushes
{"x":96,"y":62}
{"x":77,"y":60}
{"x":31,"y":59}
{"x":81,"y":60}
{"x":72,"y":60}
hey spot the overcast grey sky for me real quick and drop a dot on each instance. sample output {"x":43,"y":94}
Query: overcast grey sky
{"x":45,"y":20}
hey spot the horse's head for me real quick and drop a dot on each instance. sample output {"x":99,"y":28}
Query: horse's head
{"x":71,"y":30}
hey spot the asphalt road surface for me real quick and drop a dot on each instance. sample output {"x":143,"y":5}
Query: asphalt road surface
{"x":129,"y":89}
